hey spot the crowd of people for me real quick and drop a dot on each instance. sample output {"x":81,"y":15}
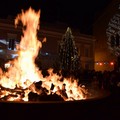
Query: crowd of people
{"x":107,"y":80}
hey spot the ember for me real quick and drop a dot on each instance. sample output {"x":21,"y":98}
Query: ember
{"x":23,"y":81}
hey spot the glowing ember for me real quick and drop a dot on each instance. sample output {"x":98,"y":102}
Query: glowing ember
{"x":22,"y":75}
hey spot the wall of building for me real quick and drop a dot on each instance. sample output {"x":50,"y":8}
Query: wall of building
{"x":53,"y":34}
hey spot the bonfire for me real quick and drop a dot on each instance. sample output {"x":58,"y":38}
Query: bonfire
{"x":24,"y":81}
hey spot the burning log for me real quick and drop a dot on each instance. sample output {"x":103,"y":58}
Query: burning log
{"x":42,"y":94}
{"x":8,"y":94}
{"x":11,"y":97}
{"x":62,"y":92}
{"x":18,"y":90}
{"x":44,"y":97}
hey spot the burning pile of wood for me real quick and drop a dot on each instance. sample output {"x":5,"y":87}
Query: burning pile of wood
{"x":42,"y":94}
{"x":23,"y":81}
{"x":7,"y":94}
{"x":36,"y":93}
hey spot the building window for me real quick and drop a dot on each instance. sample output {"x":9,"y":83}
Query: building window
{"x":11,"y":41}
{"x":87,"y":66}
{"x":11,"y":44}
{"x":87,"y":52}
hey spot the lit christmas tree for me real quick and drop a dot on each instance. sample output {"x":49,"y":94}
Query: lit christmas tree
{"x":68,"y":52}
{"x":113,"y":35}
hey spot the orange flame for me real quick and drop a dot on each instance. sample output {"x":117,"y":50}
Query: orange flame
{"x":23,"y":72}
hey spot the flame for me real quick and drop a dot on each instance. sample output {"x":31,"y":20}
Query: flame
{"x":23,"y":73}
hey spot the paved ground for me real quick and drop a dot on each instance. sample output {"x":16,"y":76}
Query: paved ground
{"x":106,"y":108}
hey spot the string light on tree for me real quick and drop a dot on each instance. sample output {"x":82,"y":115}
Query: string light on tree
{"x":113,"y":35}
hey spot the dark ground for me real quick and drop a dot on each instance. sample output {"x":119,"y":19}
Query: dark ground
{"x":103,"y":108}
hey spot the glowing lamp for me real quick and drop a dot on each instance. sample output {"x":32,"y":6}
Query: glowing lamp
{"x":100,"y":64}
{"x":111,"y":63}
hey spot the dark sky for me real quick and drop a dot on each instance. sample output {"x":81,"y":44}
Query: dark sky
{"x":76,"y":13}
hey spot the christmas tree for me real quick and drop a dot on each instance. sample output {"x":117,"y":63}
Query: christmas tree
{"x":68,"y":52}
{"x":113,"y":35}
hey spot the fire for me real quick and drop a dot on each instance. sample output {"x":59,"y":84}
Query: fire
{"x":20,"y":79}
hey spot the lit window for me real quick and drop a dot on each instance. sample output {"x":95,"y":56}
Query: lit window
{"x":97,"y":63}
{"x":46,"y":53}
{"x":7,"y":65}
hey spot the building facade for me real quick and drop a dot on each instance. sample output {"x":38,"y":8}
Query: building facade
{"x":10,"y":36}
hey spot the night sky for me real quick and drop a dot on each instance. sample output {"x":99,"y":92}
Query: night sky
{"x":75,"y":13}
